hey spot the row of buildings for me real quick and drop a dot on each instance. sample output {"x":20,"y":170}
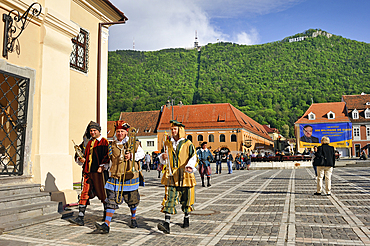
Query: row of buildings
{"x":346,"y":123}
{"x":221,"y":125}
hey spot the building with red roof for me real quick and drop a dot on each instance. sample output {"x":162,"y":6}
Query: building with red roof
{"x":221,"y":125}
{"x":325,"y":119}
{"x":358,"y":111}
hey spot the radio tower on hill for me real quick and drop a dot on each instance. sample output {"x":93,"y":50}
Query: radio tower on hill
{"x":196,"y":40}
{"x":196,"y":44}
{"x":133,"y":44}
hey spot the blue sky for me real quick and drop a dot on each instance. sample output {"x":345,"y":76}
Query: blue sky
{"x":160,"y":24}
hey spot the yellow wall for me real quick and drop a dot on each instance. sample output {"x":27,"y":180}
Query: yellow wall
{"x":234,"y":147}
{"x":62,"y":101}
{"x":83,"y":88}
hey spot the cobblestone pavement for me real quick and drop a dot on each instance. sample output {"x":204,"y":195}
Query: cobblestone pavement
{"x":255,"y":207}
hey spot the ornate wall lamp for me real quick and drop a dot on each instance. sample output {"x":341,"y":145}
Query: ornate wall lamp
{"x":13,"y":27}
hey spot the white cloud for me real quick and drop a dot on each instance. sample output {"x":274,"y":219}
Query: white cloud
{"x":160,"y":24}
{"x":236,"y":8}
{"x":248,"y":38}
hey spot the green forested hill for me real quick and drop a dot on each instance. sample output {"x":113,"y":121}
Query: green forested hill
{"x":273,"y":83}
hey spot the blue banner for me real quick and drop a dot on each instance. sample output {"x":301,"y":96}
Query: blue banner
{"x":340,"y":134}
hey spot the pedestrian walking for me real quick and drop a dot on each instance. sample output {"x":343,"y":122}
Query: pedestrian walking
{"x":218,"y":160}
{"x":229,"y":159}
{"x":315,"y":160}
{"x":248,"y":160}
{"x":205,"y":156}
{"x":325,"y":166}
{"x":147,"y":161}
{"x":237,"y":161}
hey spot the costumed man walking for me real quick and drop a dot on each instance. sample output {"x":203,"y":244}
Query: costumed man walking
{"x":95,"y":161}
{"x":179,"y":160}
{"x":205,"y":156}
{"x":123,"y":183}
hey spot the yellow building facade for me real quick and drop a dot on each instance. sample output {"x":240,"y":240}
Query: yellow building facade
{"x":220,"y":125}
{"x":57,"y":56}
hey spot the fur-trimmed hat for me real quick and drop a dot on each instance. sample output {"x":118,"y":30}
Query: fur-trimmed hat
{"x":94,"y":125}
{"x":120,"y":124}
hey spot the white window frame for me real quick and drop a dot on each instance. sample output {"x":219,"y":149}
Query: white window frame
{"x":331,"y":113}
{"x":367,"y":113}
{"x":311,"y":116}
{"x":149,"y":142}
{"x":356,"y":133}
{"x":355,"y":114}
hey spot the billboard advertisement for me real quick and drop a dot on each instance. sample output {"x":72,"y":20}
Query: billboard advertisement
{"x":340,"y":134}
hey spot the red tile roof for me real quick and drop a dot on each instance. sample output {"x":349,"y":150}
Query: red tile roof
{"x":321,"y":109}
{"x":144,"y":122}
{"x":211,"y":116}
{"x":357,"y":102}
{"x":269,"y":129}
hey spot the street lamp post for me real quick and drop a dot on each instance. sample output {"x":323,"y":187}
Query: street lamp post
{"x":235,"y":130}
{"x":170,"y":103}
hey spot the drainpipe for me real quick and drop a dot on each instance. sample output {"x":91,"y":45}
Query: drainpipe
{"x":99,"y":65}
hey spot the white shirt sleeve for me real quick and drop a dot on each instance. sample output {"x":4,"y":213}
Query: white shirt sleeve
{"x":140,"y":154}
{"x":161,"y":159}
{"x":191,"y":163}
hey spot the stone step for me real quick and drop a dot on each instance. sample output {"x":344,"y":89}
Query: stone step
{"x":28,"y":211}
{"x":15,"y":180}
{"x":29,"y":221}
{"x":24,"y":199}
{"x":11,"y":190}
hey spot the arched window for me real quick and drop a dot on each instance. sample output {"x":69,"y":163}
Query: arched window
{"x":211,"y":138}
{"x":233,"y":138}
{"x":190,"y":137}
{"x":222,"y":138}
{"x":200,"y":138}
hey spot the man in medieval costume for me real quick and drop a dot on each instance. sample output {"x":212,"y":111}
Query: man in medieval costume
{"x":205,"y":156}
{"x":93,"y":163}
{"x":180,"y":160}
{"x":125,"y":174}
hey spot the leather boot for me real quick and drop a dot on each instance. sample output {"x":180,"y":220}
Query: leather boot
{"x":203,"y":182}
{"x":133,"y":224}
{"x":186,"y":222}
{"x":208,"y":181}
{"x":103,"y":228}
{"x":77,"y":221}
{"x":164,"y":226}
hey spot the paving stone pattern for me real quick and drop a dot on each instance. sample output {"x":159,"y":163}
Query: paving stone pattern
{"x":255,"y":207}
